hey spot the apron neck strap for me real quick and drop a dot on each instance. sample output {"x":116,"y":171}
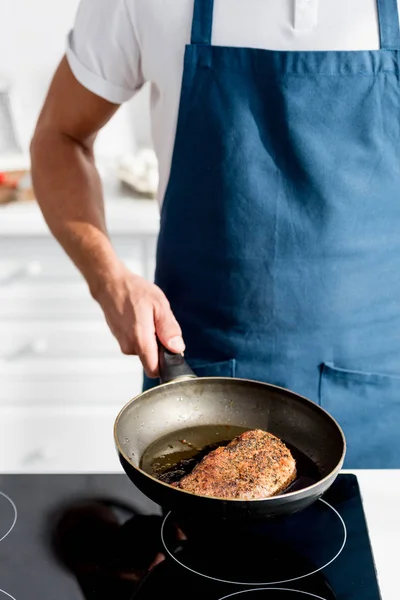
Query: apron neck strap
{"x":202,"y":22}
{"x":389,"y":27}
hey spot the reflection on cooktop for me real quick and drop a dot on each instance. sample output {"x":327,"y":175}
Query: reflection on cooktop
{"x":107,"y":552}
{"x":269,"y":553}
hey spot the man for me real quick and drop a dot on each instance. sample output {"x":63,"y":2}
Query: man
{"x":279,"y":252}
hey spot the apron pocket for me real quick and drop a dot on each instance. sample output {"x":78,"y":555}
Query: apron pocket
{"x":367,"y":407}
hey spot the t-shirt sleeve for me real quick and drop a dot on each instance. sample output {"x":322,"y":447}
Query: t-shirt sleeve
{"x":103,"y":49}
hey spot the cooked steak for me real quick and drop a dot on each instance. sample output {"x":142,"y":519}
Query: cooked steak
{"x":255,"y":464}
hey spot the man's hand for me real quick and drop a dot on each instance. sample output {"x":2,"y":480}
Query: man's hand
{"x":138,"y":313}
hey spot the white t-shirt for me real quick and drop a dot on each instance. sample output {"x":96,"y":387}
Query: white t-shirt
{"x":118,"y":45}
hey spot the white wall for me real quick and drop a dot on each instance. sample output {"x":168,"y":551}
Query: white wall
{"x":32,"y":41}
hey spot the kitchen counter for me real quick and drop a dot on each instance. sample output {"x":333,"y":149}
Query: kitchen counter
{"x":381,"y":497}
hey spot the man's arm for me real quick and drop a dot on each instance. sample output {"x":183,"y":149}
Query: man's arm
{"x":65,"y":178}
{"x":69,"y":193}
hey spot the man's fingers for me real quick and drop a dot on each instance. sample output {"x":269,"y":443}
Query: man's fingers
{"x":147,"y":343}
{"x":160,"y":557}
{"x":168,"y":330}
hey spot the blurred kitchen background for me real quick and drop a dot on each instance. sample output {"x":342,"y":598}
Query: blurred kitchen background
{"x":63,"y":378}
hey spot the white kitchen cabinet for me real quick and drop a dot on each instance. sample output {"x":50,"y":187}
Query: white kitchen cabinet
{"x":63,"y":378}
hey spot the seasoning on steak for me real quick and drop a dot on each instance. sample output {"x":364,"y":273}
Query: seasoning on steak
{"x":255,"y":464}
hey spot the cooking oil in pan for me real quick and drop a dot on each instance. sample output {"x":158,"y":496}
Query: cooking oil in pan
{"x":175,"y":455}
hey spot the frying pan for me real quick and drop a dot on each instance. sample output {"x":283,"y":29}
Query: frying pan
{"x":183,"y":400}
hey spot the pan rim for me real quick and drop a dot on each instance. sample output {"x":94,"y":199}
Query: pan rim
{"x":271,"y":499}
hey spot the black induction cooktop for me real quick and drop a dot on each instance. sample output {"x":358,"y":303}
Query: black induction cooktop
{"x":77,"y":537}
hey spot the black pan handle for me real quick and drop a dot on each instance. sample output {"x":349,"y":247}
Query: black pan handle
{"x":172,"y":366}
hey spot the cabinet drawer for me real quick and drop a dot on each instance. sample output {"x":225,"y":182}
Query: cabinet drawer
{"x":58,"y":384}
{"x":65,"y":363}
{"x":36,"y":261}
{"x":39,"y":270}
{"x":38,"y":280}
{"x":48,"y":301}
{"x":58,"y":440}
{"x":37,"y":340}
{"x":70,"y":381}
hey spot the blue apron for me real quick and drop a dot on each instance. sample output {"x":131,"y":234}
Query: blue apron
{"x":279,"y":246}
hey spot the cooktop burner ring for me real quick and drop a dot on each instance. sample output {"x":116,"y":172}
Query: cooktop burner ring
{"x":274,"y":589}
{"x":6,"y":594}
{"x":14,"y":518}
{"x":263,"y":583}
